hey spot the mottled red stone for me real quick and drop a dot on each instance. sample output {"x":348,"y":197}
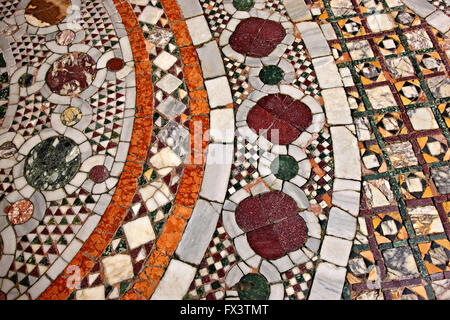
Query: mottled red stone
{"x":273,"y":224}
{"x":278,"y":206}
{"x":20,"y":212}
{"x":299,"y":115}
{"x":257,"y":37}
{"x":250,"y":214}
{"x":279,"y":112}
{"x":98,"y":174}
{"x":115,"y":64}
{"x":259,"y":119}
{"x":265,"y":242}
{"x":285,"y":134}
{"x":274,"y":103}
{"x":292,"y":233}
{"x":71,"y":74}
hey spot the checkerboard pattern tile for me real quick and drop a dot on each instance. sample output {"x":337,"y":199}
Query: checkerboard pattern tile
{"x":237,"y":74}
{"x":216,"y":16}
{"x":297,"y":281}
{"x":276,"y":5}
{"x":306,"y":79}
{"x":245,"y":168}
{"x":220,"y":257}
{"x":319,"y":187}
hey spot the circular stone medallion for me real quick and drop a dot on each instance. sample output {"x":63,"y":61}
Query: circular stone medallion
{"x":65,"y":37}
{"x":256,"y":37}
{"x":243,"y":5}
{"x":272,"y":223}
{"x":279,"y":117}
{"x":115,"y":64}
{"x":284,"y":167}
{"x":52,"y":163}
{"x":253,"y":286}
{"x":71,"y":116}
{"x":98,"y":174}
{"x":26,"y":80}
{"x":271,"y":75}
{"x":71,"y":74}
{"x":44,"y":13}
{"x":20,"y":212}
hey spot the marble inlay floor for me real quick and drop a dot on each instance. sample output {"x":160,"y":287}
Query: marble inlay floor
{"x":224,"y":150}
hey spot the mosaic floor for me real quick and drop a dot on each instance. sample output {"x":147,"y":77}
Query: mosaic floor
{"x":224,"y":149}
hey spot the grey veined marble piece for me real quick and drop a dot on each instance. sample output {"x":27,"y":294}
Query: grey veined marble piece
{"x":441,"y":178}
{"x":421,"y":7}
{"x":198,"y":232}
{"x":328,"y":282}
{"x":401,"y":154}
{"x":171,"y":107}
{"x":176,"y":137}
{"x":400,"y":263}
{"x":442,"y":289}
{"x":440,"y":86}
{"x":297,"y":10}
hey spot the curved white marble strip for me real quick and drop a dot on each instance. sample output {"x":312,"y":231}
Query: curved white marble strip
{"x":330,"y":275}
{"x":202,"y":224}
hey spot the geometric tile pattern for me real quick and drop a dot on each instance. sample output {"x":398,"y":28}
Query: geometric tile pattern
{"x":221,"y":256}
{"x":401,"y":65}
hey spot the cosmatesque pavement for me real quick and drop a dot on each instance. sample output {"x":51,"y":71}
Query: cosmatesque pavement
{"x":224,"y":149}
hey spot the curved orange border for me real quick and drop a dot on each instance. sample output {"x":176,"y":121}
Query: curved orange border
{"x":140,"y":142}
{"x":189,"y":189}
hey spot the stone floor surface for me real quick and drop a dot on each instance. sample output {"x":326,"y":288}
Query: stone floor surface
{"x":224,"y":149}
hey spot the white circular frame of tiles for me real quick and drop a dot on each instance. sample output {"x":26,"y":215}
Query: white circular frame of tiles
{"x":288,"y":261}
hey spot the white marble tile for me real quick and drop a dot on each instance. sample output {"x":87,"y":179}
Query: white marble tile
{"x":327,"y":72}
{"x":199,"y":30}
{"x":219,"y":92}
{"x":175,"y":282}
{"x":211,"y":60}
{"x":95,"y":293}
{"x":328,"y":282}
{"x":336,"y":106}
{"x":198,"y":232}
{"x":150,"y":14}
{"x":341,"y":224}
{"x":139,"y":232}
{"x":313,"y":38}
{"x":117,"y":268}
{"x":165,"y":60}
{"x":222,"y":125}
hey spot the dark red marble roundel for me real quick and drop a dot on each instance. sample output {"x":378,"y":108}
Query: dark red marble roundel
{"x":272,"y":223}
{"x":71,"y":74}
{"x":98,"y":174}
{"x":115,"y":64}
{"x":256,"y":37}
{"x":279,"y":118}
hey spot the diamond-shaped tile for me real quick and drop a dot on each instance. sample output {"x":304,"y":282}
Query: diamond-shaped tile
{"x":169,"y":83}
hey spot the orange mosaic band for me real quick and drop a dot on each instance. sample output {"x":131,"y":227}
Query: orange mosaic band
{"x":189,"y":188}
{"x":127,"y":185}
{"x":190,"y":183}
